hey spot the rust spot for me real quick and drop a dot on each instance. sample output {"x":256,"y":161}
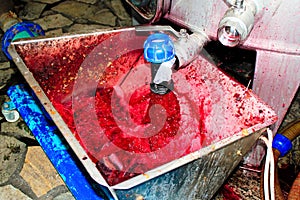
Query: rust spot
{"x":139,"y":197}
{"x":239,"y":152}
{"x":146,"y":176}
{"x":245,"y":132}
{"x":247,"y":94}
{"x":213,"y":147}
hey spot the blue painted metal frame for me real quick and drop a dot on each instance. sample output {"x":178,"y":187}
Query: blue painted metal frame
{"x":47,"y":134}
{"x":32,"y":29}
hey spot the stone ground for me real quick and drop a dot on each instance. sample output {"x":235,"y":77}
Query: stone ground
{"x":25,"y":171}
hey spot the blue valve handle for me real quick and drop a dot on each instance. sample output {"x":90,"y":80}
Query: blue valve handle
{"x":282,"y":144}
{"x":20,"y":30}
{"x":159,"y":48}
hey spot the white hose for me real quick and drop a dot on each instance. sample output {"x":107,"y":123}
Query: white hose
{"x":269,"y":177}
{"x":272,"y":165}
{"x":266,"y":171}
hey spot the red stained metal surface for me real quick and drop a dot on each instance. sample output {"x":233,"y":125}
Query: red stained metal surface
{"x":99,"y":84}
{"x":276,"y":28}
{"x":275,"y":36}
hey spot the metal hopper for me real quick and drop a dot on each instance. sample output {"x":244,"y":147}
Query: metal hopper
{"x":184,"y":144}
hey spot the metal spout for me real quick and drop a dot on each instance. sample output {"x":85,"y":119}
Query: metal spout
{"x":162,"y":82}
{"x":237,"y":22}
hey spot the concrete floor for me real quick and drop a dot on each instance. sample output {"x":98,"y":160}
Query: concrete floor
{"x":25,"y":171}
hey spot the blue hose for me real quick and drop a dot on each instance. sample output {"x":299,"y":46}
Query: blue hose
{"x":18,"y":31}
{"x":47,"y":134}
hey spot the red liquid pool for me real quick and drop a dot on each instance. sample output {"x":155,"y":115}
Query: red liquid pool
{"x":134,"y":129}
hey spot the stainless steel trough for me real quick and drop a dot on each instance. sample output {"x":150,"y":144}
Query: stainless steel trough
{"x":182,"y":145}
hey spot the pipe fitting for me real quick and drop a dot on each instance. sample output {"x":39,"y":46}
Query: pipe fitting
{"x":188,"y":47}
{"x":166,"y":55}
{"x":9,"y":112}
{"x":237,"y":23}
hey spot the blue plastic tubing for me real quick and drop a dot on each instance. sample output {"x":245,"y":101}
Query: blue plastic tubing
{"x":20,"y":30}
{"x":47,"y":134}
{"x":282,"y":144}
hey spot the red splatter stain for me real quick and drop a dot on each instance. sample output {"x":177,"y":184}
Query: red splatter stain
{"x":229,"y":193}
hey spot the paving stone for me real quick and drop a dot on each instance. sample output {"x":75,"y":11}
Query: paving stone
{"x":57,"y":191}
{"x":4,"y":65}
{"x":55,"y":32}
{"x":76,"y":9}
{"x":293,"y":113}
{"x":79,"y":10}
{"x":47,"y":1}
{"x":32,"y":10}
{"x":3,"y":98}
{"x":3,"y":58}
{"x":65,"y":196}
{"x":17,"y":129}
{"x":125,"y":23}
{"x":9,"y":192}
{"x":53,"y":21}
{"x":101,"y":4}
{"x":85,"y":28}
{"x":81,"y":21}
{"x":48,"y":12}
{"x":104,"y":16}
{"x":18,"y":182}
{"x":39,"y":172}
{"x":5,"y":76}
{"x":88,"y":1}
{"x":118,"y":9}
{"x":12,"y":153}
